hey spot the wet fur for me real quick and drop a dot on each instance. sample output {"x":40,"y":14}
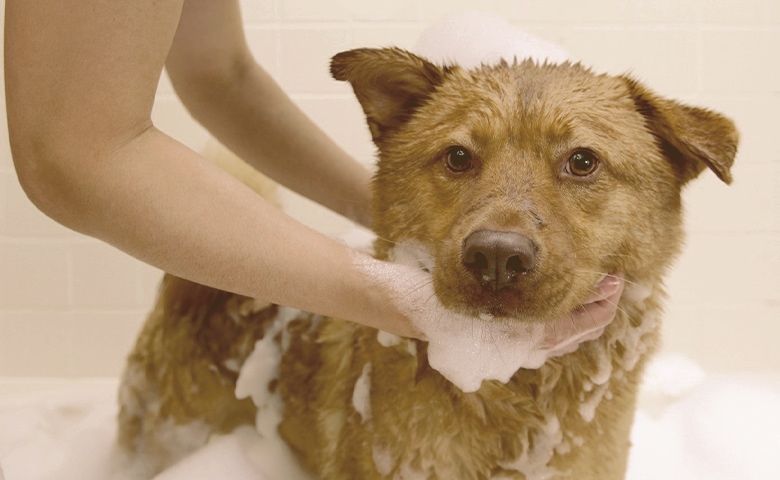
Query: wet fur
{"x":569,"y":419}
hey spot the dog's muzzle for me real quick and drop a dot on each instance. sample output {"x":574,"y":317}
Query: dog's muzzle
{"x":497,"y":259}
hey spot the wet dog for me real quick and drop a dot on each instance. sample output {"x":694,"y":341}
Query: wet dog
{"x":523,"y":187}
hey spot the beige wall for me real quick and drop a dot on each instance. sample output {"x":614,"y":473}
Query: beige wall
{"x":70,"y":306}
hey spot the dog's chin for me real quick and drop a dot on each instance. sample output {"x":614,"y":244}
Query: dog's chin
{"x":507,"y":307}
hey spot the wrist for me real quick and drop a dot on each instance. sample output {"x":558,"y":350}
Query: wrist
{"x":394,"y":293}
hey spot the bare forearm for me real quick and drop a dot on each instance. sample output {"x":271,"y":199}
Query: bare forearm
{"x":80,"y":82}
{"x":191,"y":219}
{"x":257,"y":120}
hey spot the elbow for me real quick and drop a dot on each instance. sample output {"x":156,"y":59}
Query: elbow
{"x":39,"y":172}
{"x":29,"y":159}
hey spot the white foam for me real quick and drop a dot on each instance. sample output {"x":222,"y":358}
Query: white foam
{"x":719,"y":429}
{"x":467,"y":350}
{"x":259,"y":369}
{"x":269,"y":454}
{"x":361,"y":395}
{"x":388,"y":339}
{"x":604,"y":371}
{"x":471,"y":39}
{"x":533,"y":463}
{"x":588,"y":405}
{"x":221,"y":458}
{"x":383,"y":460}
{"x":464,"y":349}
{"x":636,"y":338}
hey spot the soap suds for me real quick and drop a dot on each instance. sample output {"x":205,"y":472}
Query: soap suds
{"x":633,"y":339}
{"x":588,"y":405}
{"x":533,"y":462}
{"x":383,"y":460}
{"x":232,"y":364}
{"x":361,"y":395}
{"x":604,"y":371}
{"x":483,"y":39}
{"x":465,"y":356}
{"x":272,"y":457}
{"x":464,"y":349}
{"x":260,"y":368}
{"x":387,"y":339}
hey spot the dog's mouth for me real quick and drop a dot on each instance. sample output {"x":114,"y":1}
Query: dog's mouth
{"x":586,"y":321}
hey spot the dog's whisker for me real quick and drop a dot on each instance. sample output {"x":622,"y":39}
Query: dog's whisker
{"x":610,"y":275}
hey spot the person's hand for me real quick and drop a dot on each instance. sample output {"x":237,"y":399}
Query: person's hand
{"x":467,"y":349}
{"x":587,"y":322}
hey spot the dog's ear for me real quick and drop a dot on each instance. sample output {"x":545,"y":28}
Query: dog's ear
{"x":389,"y":83}
{"x":693,"y":138}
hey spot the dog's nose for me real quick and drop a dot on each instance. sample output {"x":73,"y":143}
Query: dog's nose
{"x":497,"y":258}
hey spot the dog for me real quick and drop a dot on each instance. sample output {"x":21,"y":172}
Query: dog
{"x":523,"y":185}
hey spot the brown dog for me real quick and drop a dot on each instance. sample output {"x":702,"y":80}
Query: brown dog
{"x":526,"y":185}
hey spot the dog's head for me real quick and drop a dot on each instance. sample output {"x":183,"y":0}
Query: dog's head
{"x":527,"y":183}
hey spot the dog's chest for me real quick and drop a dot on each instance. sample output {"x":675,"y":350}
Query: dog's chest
{"x":376,"y":398}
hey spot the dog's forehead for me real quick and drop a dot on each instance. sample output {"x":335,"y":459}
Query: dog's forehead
{"x":531,"y":95}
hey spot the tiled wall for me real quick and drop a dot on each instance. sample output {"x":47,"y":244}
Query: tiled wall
{"x":70,"y":306}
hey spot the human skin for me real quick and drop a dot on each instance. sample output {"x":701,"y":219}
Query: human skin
{"x":81,"y":79}
{"x":80,"y":82}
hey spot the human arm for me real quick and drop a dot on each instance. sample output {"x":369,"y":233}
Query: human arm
{"x":80,"y":82}
{"x":223,"y":87}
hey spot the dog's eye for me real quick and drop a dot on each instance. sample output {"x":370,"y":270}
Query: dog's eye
{"x":458,"y":159}
{"x":582,"y":163}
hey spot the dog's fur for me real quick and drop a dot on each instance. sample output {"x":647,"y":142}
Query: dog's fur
{"x":521,"y":123}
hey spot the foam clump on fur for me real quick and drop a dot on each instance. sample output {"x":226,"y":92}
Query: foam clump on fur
{"x":472,"y":39}
{"x":466,"y":350}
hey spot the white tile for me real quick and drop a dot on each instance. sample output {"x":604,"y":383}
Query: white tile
{"x":101,"y":342}
{"x":725,"y":339}
{"x":754,"y":116}
{"x":20,"y":218}
{"x":149,"y":279}
{"x":259,"y":11}
{"x":264,"y":44}
{"x":34,"y":275}
{"x":750,"y":204}
{"x":315,"y":10}
{"x":34,"y":344}
{"x":380,"y":36}
{"x":666,"y":60}
{"x":305,"y":59}
{"x":432,"y":11}
{"x":741,"y":61}
{"x":601,"y":12}
{"x":104,"y":277}
{"x":164,"y":86}
{"x":368,"y":11}
{"x":741,"y":12}
{"x":170,"y":116}
{"x":727,"y":269}
{"x":342,"y":119}
{"x":312,"y":214}
{"x":333,"y":116}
